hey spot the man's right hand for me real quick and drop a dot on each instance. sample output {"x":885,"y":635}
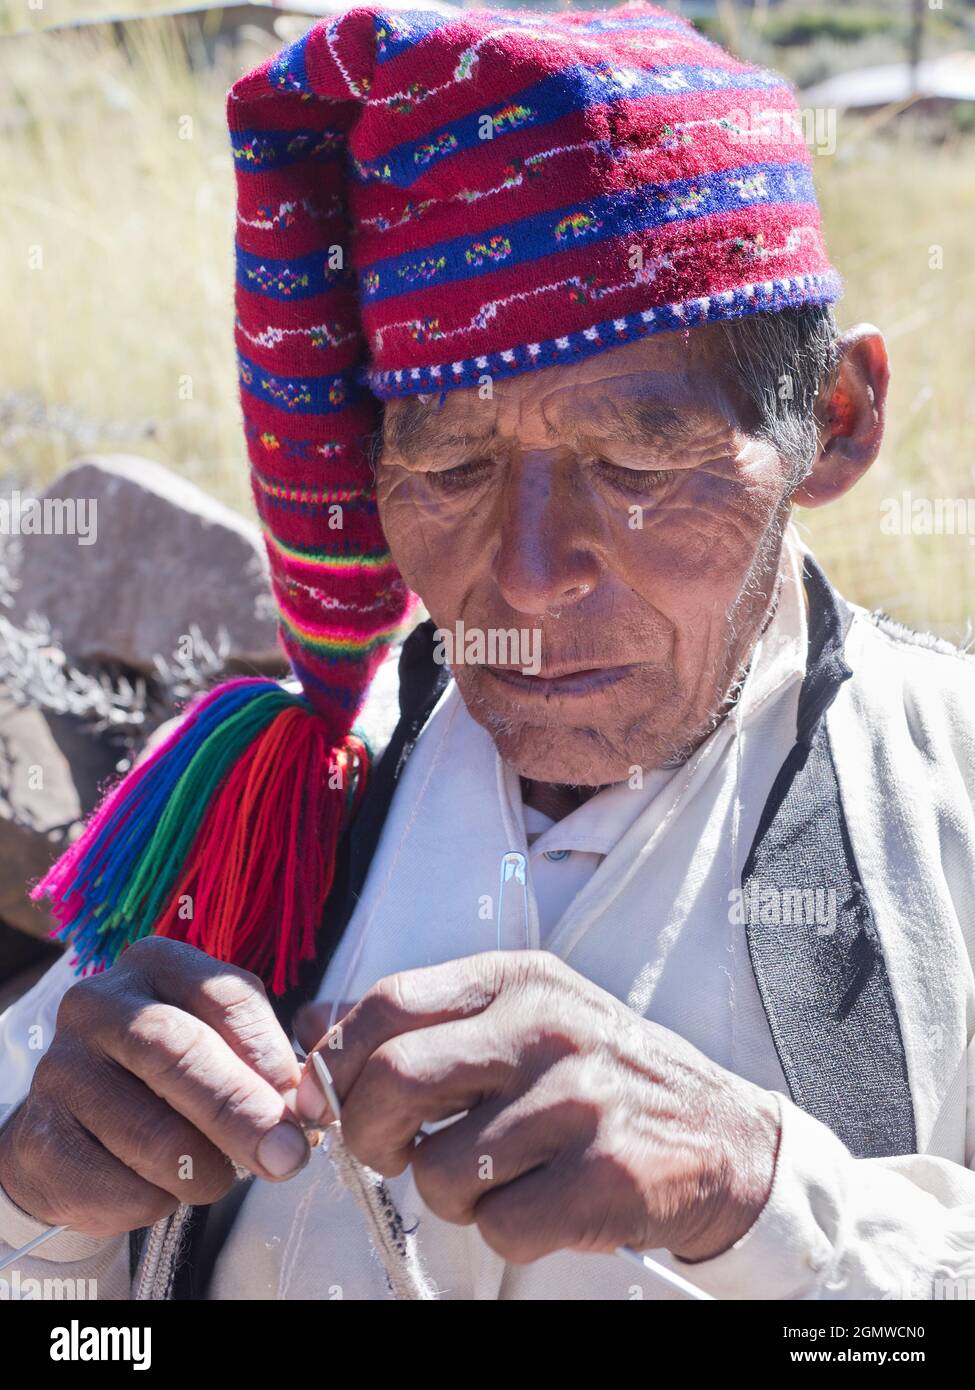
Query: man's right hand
{"x":160,"y":1070}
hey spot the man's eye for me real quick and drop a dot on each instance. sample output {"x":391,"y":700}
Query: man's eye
{"x":634,"y":479}
{"x":465,"y":473}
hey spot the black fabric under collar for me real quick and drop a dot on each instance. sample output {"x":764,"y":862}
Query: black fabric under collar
{"x":826,"y":664}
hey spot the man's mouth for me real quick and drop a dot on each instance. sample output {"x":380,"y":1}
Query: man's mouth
{"x":558,"y":680}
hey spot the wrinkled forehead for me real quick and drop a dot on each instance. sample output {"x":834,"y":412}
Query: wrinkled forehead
{"x":662,"y":388}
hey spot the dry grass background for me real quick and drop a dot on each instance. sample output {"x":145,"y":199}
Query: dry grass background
{"x":118,"y":177}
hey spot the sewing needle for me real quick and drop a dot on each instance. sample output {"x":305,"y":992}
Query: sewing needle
{"x":31,"y":1245}
{"x":661,"y":1272}
{"x":326,"y":1083}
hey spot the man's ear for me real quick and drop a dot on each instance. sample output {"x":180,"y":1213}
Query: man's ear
{"x":850,"y":417}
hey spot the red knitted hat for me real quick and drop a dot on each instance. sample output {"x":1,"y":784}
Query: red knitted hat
{"x":425,"y":199}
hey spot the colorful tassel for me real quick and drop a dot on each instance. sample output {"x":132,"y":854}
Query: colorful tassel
{"x":225,"y":837}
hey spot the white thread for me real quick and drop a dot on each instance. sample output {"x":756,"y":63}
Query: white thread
{"x":735,"y":874}
{"x":644,"y":275}
{"x":289,"y":1256}
{"x":341,"y":994}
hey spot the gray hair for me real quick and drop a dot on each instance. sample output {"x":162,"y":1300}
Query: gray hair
{"x":782,"y":362}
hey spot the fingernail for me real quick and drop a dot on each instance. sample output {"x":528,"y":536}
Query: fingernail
{"x":310,"y":1102}
{"x":283,"y":1150}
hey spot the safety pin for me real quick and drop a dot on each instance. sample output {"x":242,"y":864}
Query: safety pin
{"x":514,"y":865}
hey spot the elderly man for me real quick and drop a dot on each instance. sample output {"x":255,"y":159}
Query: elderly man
{"x":652,"y":926}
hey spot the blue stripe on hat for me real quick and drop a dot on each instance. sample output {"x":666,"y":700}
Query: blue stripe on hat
{"x":257,"y":150}
{"x":601,"y":219}
{"x":299,"y":395}
{"x":400,"y":30}
{"x":574,"y":89}
{"x":288,"y":72}
{"x":302,"y":277}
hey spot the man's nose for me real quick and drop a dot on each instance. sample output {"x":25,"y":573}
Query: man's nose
{"x":545,"y":558}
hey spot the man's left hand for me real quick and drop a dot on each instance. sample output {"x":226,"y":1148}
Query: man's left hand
{"x":586,"y":1127}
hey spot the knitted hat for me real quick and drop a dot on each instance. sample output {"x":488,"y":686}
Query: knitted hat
{"x":425,"y":199}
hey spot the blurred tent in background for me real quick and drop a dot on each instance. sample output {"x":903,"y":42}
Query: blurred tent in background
{"x":933,"y":83}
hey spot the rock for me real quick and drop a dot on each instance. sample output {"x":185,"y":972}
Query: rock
{"x":52,"y":773}
{"x":39,"y":802}
{"x":143,"y":558}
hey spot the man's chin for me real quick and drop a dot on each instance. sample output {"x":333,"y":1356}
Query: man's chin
{"x":560,"y":746}
{"x":564,"y":755}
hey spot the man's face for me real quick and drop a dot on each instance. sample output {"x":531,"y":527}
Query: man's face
{"x":624,"y":508}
